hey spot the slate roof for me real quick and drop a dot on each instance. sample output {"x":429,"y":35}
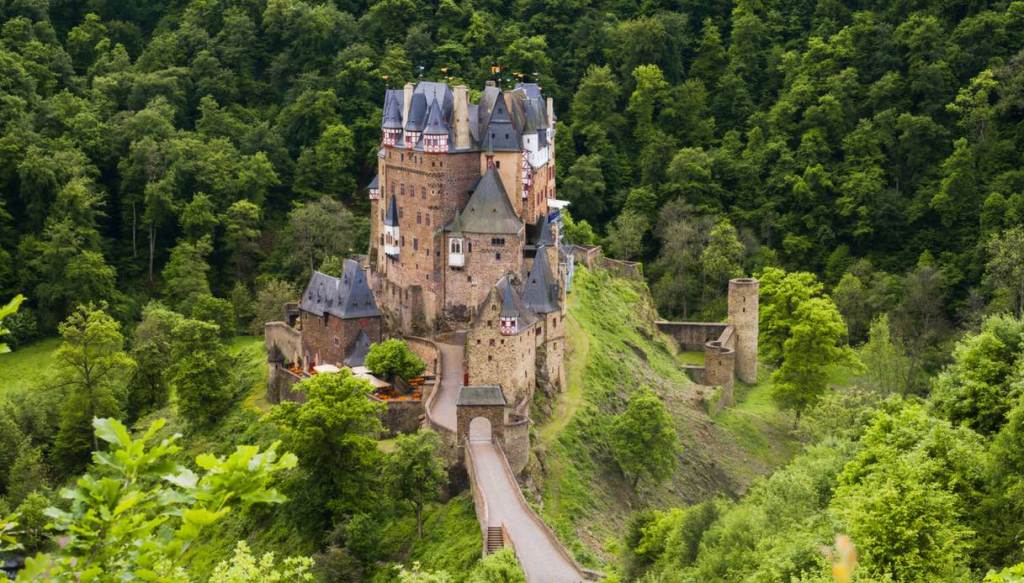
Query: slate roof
{"x":488,"y":209}
{"x":391,"y":217}
{"x":508,"y":304}
{"x":501,"y":134}
{"x":435,"y":123}
{"x":481,"y":396}
{"x":546,"y":236}
{"x":540,"y":293}
{"x":513,"y":305}
{"x":348,"y":296}
{"x":417,"y":113}
{"x":392,"y":118}
{"x":356,"y":354}
{"x":375,"y":183}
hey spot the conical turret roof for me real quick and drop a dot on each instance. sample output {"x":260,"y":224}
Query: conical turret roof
{"x":540,"y":292}
{"x":488,"y":209}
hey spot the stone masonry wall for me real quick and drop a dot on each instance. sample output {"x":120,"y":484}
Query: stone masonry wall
{"x":692,"y":335}
{"x":517,"y":442}
{"x":326,"y":338}
{"x":487,"y":261}
{"x":743,"y":314}
{"x":509,"y":361}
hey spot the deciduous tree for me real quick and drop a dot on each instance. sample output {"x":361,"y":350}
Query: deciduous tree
{"x":643,"y":438}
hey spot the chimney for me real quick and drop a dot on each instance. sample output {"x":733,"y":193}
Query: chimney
{"x":409,"y":87}
{"x":460,"y":113}
{"x":551,"y":112}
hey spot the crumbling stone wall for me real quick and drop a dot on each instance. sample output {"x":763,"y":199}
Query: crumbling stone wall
{"x":692,"y":335}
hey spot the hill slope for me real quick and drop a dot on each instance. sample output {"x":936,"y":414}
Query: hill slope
{"x":615,"y":349}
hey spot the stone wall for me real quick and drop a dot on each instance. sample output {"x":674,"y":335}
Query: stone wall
{"x":427,"y":350}
{"x":325,"y":339}
{"x":402,"y":416}
{"x":487,"y":261}
{"x":692,"y":335}
{"x":428,"y":189}
{"x":287,"y":340}
{"x":494,"y":359}
{"x":624,"y":269}
{"x":586,"y":255}
{"x":517,"y":442}
{"x":280,"y":381}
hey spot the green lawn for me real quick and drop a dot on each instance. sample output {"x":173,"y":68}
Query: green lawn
{"x":691,"y":357}
{"x":28,"y":366}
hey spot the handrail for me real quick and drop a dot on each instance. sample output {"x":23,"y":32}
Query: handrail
{"x":544,"y":528}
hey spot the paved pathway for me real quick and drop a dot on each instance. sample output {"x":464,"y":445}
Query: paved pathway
{"x":538,"y":555}
{"x":536,"y":552}
{"x":451,"y":381}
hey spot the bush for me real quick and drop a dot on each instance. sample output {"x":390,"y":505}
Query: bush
{"x":22,"y":328}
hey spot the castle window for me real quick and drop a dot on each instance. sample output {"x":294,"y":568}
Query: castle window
{"x":478,"y":341}
{"x":469,"y":278}
{"x":415,"y":244}
{"x":428,"y":219}
{"x":497,"y":164}
{"x":423,"y":192}
{"x":490,"y":358}
{"x":337,"y":341}
{"x":503,"y":342}
{"x":401,"y":189}
{"x":419,"y":218}
{"x":490,"y":323}
{"x":497,"y":256}
{"x":469,"y":246}
{"x":497,"y":241}
{"x":403,"y":240}
{"x":492,"y":342}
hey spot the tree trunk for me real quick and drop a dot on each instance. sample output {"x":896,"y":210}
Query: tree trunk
{"x":152,"y":249}
{"x":135,"y":249}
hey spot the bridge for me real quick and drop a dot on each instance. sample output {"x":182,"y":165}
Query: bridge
{"x":505,"y":517}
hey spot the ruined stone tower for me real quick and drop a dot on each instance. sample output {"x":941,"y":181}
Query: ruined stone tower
{"x":743,"y":315}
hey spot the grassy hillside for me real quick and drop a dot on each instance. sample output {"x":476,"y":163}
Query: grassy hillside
{"x":28,"y":366}
{"x":614,"y":349}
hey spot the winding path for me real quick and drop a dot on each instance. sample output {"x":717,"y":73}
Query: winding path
{"x":542,"y":557}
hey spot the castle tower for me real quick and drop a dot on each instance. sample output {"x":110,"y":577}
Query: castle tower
{"x":743,"y":315}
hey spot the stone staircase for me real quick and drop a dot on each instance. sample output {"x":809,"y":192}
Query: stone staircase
{"x":495,"y":540}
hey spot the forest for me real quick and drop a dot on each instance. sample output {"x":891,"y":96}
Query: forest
{"x":172,"y":170}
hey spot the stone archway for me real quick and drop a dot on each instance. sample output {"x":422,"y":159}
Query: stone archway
{"x":479,"y":405}
{"x":480,"y":429}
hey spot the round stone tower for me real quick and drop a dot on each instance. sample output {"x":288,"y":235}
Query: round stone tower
{"x":744,"y":318}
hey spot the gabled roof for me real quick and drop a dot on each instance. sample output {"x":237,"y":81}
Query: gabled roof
{"x":375,"y":183}
{"x":356,"y":354}
{"x":488,"y":209}
{"x":391,"y":217}
{"x":348,"y":296}
{"x":481,"y":396}
{"x":540,"y":294}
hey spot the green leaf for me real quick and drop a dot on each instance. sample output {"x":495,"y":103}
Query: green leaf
{"x":112,"y":431}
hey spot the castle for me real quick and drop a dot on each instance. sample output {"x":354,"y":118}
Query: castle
{"x":465,"y":243}
{"x":464,"y":233}
{"x":464,"y":236}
